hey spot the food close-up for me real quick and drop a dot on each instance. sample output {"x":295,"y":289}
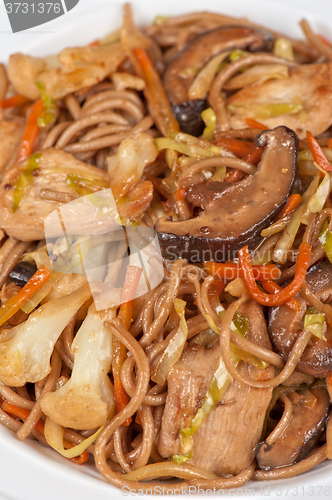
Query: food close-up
{"x":166,"y":251}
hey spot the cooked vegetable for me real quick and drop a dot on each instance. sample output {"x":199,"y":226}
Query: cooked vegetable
{"x":234,"y":215}
{"x":126,"y":167}
{"x":86,"y":400}
{"x":31,"y":131}
{"x":11,"y":306}
{"x":25,"y":353}
{"x":175,"y":347}
{"x":286,"y":293}
{"x":22,"y":272}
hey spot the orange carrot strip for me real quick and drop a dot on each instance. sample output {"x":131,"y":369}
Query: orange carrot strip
{"x":292,"y":203}
{"x":238,"y":147}
{"x":323,"y":39}
{"x":119,"y":351}
{"x":232,"y":270}
{"x":235,"y":176}
{"x":180,"y":194}
{"x":255,"y":124}
{"x":95,"y":43}
{"x":318,"y":153}
{"x":330,"y":143}
{"x":80,"y":459}
{"x":133,"y":277}
{"x":156,"y":95}
{"x":14,"y":304}
{"x":23,"y":415}
{"x":219,"y":284}
{"x":273,"y":287}
{"x":253,"y":156}
{"x":286,"y":293}
{"x":14,"y":101}
{"x":30,"y":131}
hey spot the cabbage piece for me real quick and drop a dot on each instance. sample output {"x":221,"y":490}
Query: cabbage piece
{"x":325,"y":238}
{"x":174,"y":349}
{"x":318,"y":199}
{"x":217,"y":387}
{"x":192,"y":150}
{"x":86,"y":400}
{"x":258,"y":75}
{"x":283,"y":48}
{"x":288,"y":237}
{"x":202,"y":83}
{"x":210,"y":120}
{"x":306,"y":154}
{"x":54,"y":436}
{"x":256,"y":110}
{"x":126,"y":167}
{"x":26,"y":356}
{"x":315,"y":322}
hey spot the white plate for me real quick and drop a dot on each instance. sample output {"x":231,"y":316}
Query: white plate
{"x":28,"y":471}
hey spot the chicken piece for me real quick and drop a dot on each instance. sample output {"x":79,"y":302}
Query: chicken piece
{"x":226,"y":441}
{"x":309,"y":86}
{"x":24,"y":71}
{"x":136,"y":201}
{"x":25,"y":184}
{"x":74,"y":69}
{"x":10,"y":135}
{"x":33,"y":189}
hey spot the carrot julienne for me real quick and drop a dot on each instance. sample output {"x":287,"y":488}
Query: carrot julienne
{"x":253,"y":156}
{"x":14,"y":101}
{"x":286,"y":293}
{"x":155,"y":93}
{"x":24,"y":414}
{"x":318,"y":153}
{"x":14,"y":304}
{"x":235,"y":146}
{"x":31,"y":131}
{"x":272,"y":287}
{"x":292,"y":203}
{"x":119,"y":351}
{"x":255,"y":124}
{"x":180,"y":194}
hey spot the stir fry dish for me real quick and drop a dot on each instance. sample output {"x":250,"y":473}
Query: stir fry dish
{"x":166,"y":252}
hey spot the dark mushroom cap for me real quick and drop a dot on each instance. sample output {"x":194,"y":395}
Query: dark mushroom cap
{"x":195,"y":55}
{"x":299,"y":437}
{"x":235,"y":213}
{"x":285,"y":325}
{"x":22,"y":272}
